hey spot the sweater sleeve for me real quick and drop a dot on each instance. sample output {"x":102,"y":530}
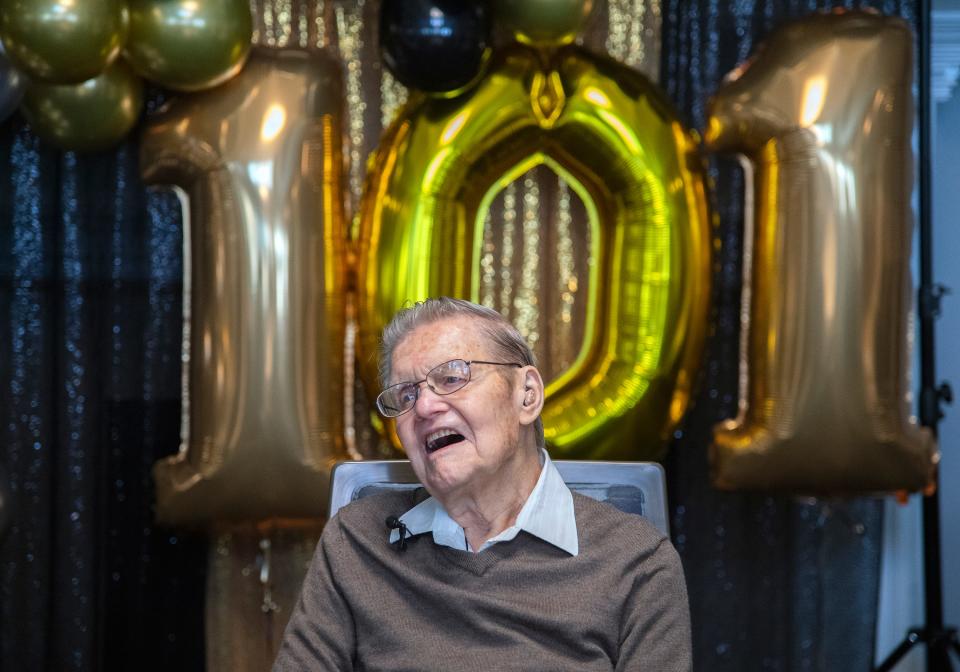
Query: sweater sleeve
{"x":320,"y":634}
{"x":655,"y":632}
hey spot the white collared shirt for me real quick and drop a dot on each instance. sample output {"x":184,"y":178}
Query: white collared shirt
{"x":547,"y":514}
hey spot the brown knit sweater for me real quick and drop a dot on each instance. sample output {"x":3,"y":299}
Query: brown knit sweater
{"x":621,"y":604}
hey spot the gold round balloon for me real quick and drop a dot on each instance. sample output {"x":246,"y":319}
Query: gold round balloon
{"x":189,"y":45}
{"x":543,"y":22}
{"x":90,"y":116}
{"x":260,"y":160}
{"x":63,"y":41}
{"x":613,"y":136}
{"x":824,"y":114}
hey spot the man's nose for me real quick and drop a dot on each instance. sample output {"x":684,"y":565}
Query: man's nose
{"x":429,"y":402}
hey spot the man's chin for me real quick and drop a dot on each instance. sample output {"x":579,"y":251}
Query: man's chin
{"x":445,"y":473}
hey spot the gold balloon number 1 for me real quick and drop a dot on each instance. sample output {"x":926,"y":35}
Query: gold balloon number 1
{"x":824,"y":116}
{"x":617,"y":141}
{"x":260,"y":160}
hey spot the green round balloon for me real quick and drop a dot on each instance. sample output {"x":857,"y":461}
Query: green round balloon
{"x":63,"y":41}
{"x":90,"y":116}
{"x":189,"y":45}
{"x":543,"y":22}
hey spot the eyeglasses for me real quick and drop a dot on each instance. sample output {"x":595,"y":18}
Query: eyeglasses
{"x":444,"y":379}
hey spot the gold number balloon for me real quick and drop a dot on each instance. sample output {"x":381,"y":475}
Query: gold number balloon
{"x":90,"y":116}
{"x":543,"y":21}
{"x":260,"y":160}
{"x":824,"y":114}
{"x":63,"y":41}
{"x":189,"y":45}
{"x":613,"y":136}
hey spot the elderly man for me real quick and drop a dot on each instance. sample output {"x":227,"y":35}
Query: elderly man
{"x":497,"y":566}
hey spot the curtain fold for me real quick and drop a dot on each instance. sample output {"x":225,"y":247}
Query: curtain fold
{"x":90,"y":308}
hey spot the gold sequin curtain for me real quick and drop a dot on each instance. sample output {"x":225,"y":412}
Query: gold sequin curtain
{"x":534,"y":269}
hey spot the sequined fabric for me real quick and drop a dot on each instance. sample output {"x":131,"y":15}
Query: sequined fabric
{"x":90,"y":303}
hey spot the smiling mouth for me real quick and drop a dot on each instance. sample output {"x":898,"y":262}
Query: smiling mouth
{"x":440,"y":440}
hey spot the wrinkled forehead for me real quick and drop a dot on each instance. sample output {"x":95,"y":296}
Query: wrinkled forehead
{"x":431,"y":344}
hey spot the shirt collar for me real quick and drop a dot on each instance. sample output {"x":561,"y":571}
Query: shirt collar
{"x":547,"y":514}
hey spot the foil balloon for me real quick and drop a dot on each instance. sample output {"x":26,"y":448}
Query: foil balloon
{"x":12,"y":85}
{"x":63,"y":41}
{"x":612,"y":135}
{"x":824,"y":114}
{"x":260,"y":162}
{"x":188,"y":45}
{"x":435,"y":45}
{"x":91,"y":116}
{"x":543,"y":22}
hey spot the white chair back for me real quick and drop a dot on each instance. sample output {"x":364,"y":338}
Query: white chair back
{"x":634,"y":487}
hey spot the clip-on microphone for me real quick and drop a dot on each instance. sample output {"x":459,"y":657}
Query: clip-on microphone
{"x":395,"y":523}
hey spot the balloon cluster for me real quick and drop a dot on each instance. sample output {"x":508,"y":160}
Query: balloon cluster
{"x":76,"y":67}
{"x":441,"y":47}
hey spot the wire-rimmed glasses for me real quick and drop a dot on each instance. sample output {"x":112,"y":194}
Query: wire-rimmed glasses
{"x":442,"y":379}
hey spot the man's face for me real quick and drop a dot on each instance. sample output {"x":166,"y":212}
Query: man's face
{"x":483,"y":416}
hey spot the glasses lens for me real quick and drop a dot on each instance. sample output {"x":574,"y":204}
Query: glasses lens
{"x":397,"y":399}
{"x":449,"y":376}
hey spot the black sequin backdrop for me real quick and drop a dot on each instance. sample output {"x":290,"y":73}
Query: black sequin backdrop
{"x":90,"y":331}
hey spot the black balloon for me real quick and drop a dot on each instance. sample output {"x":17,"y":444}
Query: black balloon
{"x":437,"y":46}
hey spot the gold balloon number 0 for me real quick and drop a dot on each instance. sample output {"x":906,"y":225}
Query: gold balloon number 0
{"x":616,"y":140}
{"x":824,"y":116}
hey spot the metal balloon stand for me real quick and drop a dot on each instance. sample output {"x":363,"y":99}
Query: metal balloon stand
{"x":939,"y":639}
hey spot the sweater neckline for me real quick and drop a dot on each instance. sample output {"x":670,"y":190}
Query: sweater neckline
{"x":479,"y":563}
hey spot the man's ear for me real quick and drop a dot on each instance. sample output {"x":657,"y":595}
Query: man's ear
{"x":531,"y":395}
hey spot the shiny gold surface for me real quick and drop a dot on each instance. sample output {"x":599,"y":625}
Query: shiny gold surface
{"x":189,"y":45}
{"x":543,"y":22}
{"x":610,"y":134}
{"x":824,"y":113}
{"x":63,"y":41}
{"x":91,"y":116}
{"x":254,"y":574}
{"x":260,"y":160}
{"x":349,"y":29}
